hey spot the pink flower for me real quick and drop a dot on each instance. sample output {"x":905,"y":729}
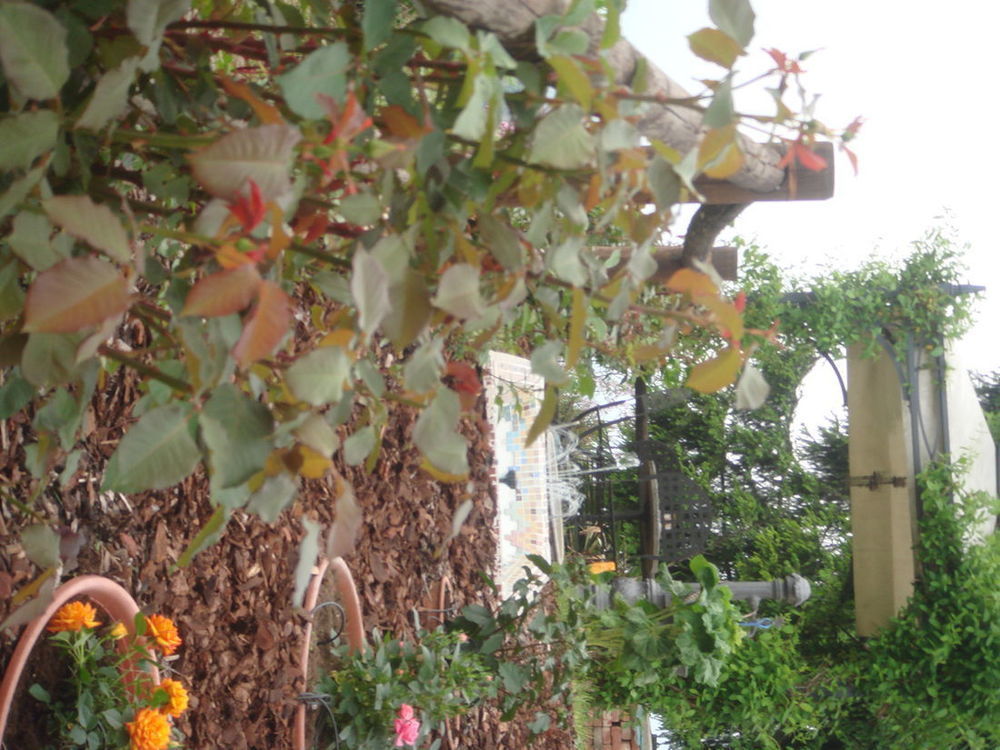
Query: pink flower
{"x":407,"y":728}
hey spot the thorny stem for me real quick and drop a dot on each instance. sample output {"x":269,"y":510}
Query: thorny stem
{"x":311,"y":252}
{"x":163,"y":140}
{"x":263,"y":27}
{"x":147,"y":370}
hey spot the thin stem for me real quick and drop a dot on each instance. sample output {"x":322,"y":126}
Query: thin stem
{"x":148,"y":370}
{"x":263,"y":27}
{"x":334,"y":260}
{"x":177,"y":234}
{"x":163,"y":140}
{"x":9,"y":497}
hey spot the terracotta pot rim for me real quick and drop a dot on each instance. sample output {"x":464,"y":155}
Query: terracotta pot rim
{"x":107,"y":594}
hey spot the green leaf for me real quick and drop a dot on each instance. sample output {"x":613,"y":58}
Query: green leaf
{"x":41,"y":544}
{"x":715,"y":46}
{"x":322,"y":72}
{"x":236,"y":430}
{"x":411,"y":309}
{"x":31,"y":241}
{"x":561,"y":141}
{"x":208,"y":534}
{"x":262,"y":154}
{"x":546,"y":414}
{"x":545,"y":362}
{"x":307,"y":559}
{"x":266,"y":325}
{"x":735,"y":17}
{"x":370,"y":290}
{"x":273,"y":497}
{"x":376,"y":22}
{"x":39,"y":693}
{"x":458,"y":292}
{"x":156,"y":452}
{"x":49,"y":359}
{"x":423,"y":369}
{"x":720,"y":111}
{"x":11,"y":294}
{"x":318,"y":378}
{"x":502,"y":241}
{"x":359,"y":445}
{"x":74,"y":294}
{"x":26,"y":136}
{"x":33,"y":50}
{"x":448,"y":32}
{"x":19,"y":189}
{"x":474,"y":119}
{"x":362,"y":208}
{"x":95,"y":224}
{"x":437,"y":437}
{"x":148,"y":18}
{"x":15,"y":393}
{"x":110,"y":97}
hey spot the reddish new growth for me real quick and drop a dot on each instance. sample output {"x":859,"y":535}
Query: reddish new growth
{"x":249,"y":210}
{"x":783,"y":64}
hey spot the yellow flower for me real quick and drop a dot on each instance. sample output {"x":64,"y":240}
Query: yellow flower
{"x":73,"y":616}
{"x":178,"y":698}
{"x":165,"y":632}
{"x":149,"y":731}
{"x":118,"y":631}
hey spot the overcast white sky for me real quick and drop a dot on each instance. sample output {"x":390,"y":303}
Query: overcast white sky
{"x":921,"y":74}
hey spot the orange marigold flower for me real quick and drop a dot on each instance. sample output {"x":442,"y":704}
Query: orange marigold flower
{"x":73,"y":616}
{"x":149,"y":731}
{"x":165,"y":632}
{"x":178,"y":702}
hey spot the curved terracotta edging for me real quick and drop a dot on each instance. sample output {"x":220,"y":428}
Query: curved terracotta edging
{"x":354,"y":630}
{"x":105,"y":593}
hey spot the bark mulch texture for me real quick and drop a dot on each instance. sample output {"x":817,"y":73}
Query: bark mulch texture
{"x":242,"y":636}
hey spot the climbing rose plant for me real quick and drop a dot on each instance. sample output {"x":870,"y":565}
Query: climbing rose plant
{"x":282,"y":220}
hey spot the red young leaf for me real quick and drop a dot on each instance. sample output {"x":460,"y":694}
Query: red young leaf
{"x":249,"y":210}
{"x":266,"y":325}
{"x":74,"y":294}
{"x":224,"y":292}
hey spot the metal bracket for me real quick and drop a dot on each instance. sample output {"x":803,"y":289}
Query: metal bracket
{"x":875,"y":480}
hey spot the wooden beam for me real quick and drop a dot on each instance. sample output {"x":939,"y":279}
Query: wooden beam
{"x":668,"y":260}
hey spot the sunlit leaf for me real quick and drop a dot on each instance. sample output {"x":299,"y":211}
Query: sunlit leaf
{"x":458,"y":292}
{"x":223,"y":292}
{"x":74,"y":294}
{"x":370,"y":290}
{"x":157,"y":452}
{"x":560,"y":140}
{"x":261,"y":154}
{"x":691,"y":282}
{"x":571,"y":76}
{"x":751,"y":389}
{"x":719,"y":154}
{"x":545,"y":362}
{"x":266,"y":325}
{"x":317,"y":433}
{"x":320,"y":72}
{"x":94,"y":223}
{"x":715,"y":46}
{"x":26,"y":136}
{"x":717,"y":373}
{"x":33,"y":50}
{"x":319,"y":377}
{"x":437,"y":437}
{"x":447,"y":31}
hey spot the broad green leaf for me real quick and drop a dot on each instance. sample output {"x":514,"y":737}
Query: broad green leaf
{"x":266,"y":325}
{"x":273,"y":497}
{"x":370,"y":290}
{"x":376,"y":22}
{"x":735,"y":17}
{"x":502,"y":241}
{"x":33,"y":50}
{"x":319,"y":377}
{"x":15,"y":393}
{"x":717,"y":373}
{"x":74,"y":294}
{"x":94,"y":223}
{"x":208,"y":534}
{"x":148,"y":18}
{"x":157,"y":452}
{"x":26,"y":136}
{"x":321,"y":72}
{"x":317,"y":433}
{"x":715,"y":46}
{"x":411,"y":309}
{"x":572,"y":77}
{"x":236,"y":430}
{"x":423,"y":369}
{"x":560,"y":140}
{"x":577,"y":320}
{"x":31,"y":241}
{"x":207,"y":345}
{"x":223,"y":292}
{"x":564,"y":261}
{"x":664,"y":182}
{"x":545,"y":362}
{"x":41,"y":544}
{"x":436,"y":434}
{"x":720,"y":111}
{"x":307,"y":559}
{"x":619,"y":134}
{"x":458,"y":292}
{"x":11,"y":294}
{"x":19,"y":189}
{"x":263,"y":154}
{"x":363,"y":208}
{"x":545,"y":415}
{"x":447,"y":31}
{"x":474,"y":119}
{"x":359,"y":445}
{"x":49,"y":359}
{"x":110,"y":97}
